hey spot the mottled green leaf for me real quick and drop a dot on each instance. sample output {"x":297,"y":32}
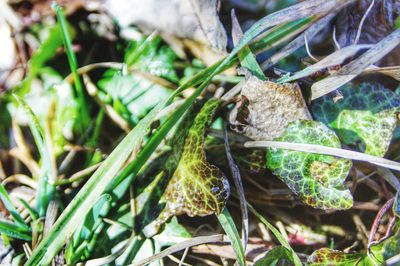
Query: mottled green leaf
{"x":317,"y":179}
{"x":197,"y":188}
{"x":326,"y":256}
{"x":365,"y":117}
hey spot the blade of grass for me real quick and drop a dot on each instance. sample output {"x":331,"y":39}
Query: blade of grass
{"x":5,"y":198}
{"x":71,"y":217}
{"x":298,"y":42}
{"x":246,"y":57}
{"x":227,"y":223}
{"x":45,"y":190}
{"x":279,"y":34}
{"x":15,"y":231}
{"x":73,"y":63}
{"x":336,"y":58}
{"x":282,"y":240}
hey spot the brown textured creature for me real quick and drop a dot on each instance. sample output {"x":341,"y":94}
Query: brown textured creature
{"x":266,"y":108}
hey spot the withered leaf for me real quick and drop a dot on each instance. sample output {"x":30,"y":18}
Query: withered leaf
{"x":266,"y":108}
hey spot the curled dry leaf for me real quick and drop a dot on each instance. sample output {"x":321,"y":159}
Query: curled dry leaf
{"x":317,"y":179}
{"x":366,"y":116}
{"x":266,"y":108}
{"x":197,"y":188}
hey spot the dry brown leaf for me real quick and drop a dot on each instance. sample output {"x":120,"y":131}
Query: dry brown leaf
{"x":265,"y":109}
{"x":187,"y":19}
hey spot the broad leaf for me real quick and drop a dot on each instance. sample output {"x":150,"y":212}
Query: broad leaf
{"x":197,"y":188}
{"x":366,"y":116}
{"x":316,"y":179}
{"x":152,"y":56}
{"x":132,"y":95}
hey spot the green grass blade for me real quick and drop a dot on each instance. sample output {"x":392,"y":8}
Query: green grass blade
{"x":45,"y":191}
{"x":227,"y":223}
{"x":246,"y":57}
{"x":15,"y":231}
{"x":31,"y":211}
{"x":277,"y":234}
{"x":73,"y":63}
{"x":5,"y":198}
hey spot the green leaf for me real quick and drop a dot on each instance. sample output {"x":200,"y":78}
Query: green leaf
{"x":365,"y":117}
{"x":282,"y":240}
{"x":73,"y":63}
{"x":326,"y":256}
{"x":386,"y":248}
{"x":274,"y":257}
{"x":227,"y":223}
{"x":246,"y":56}
{"x":134,"y":95}
{"x":46,"y":190}
{"x":15,"y":231}
{"x":47,"y":49}
{"x":152,"y":56}
{"x":5,"y":198}
{"x":316,"y":179}
{"x":197,"y":188}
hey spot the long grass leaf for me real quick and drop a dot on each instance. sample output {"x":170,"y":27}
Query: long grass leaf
{"x":73,"y":63}
{"x":227,"y":223}
{"x":45,"y":190}
{"x":298,"y":42}
{"x":5,"y":198}
{"x":282,"y":240}
{"x":15,"y":231}
{"x":239,"y":187}
{"x":336,"y":58}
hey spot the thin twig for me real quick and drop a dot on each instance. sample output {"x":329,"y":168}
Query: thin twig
{"x":362,"y":22}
